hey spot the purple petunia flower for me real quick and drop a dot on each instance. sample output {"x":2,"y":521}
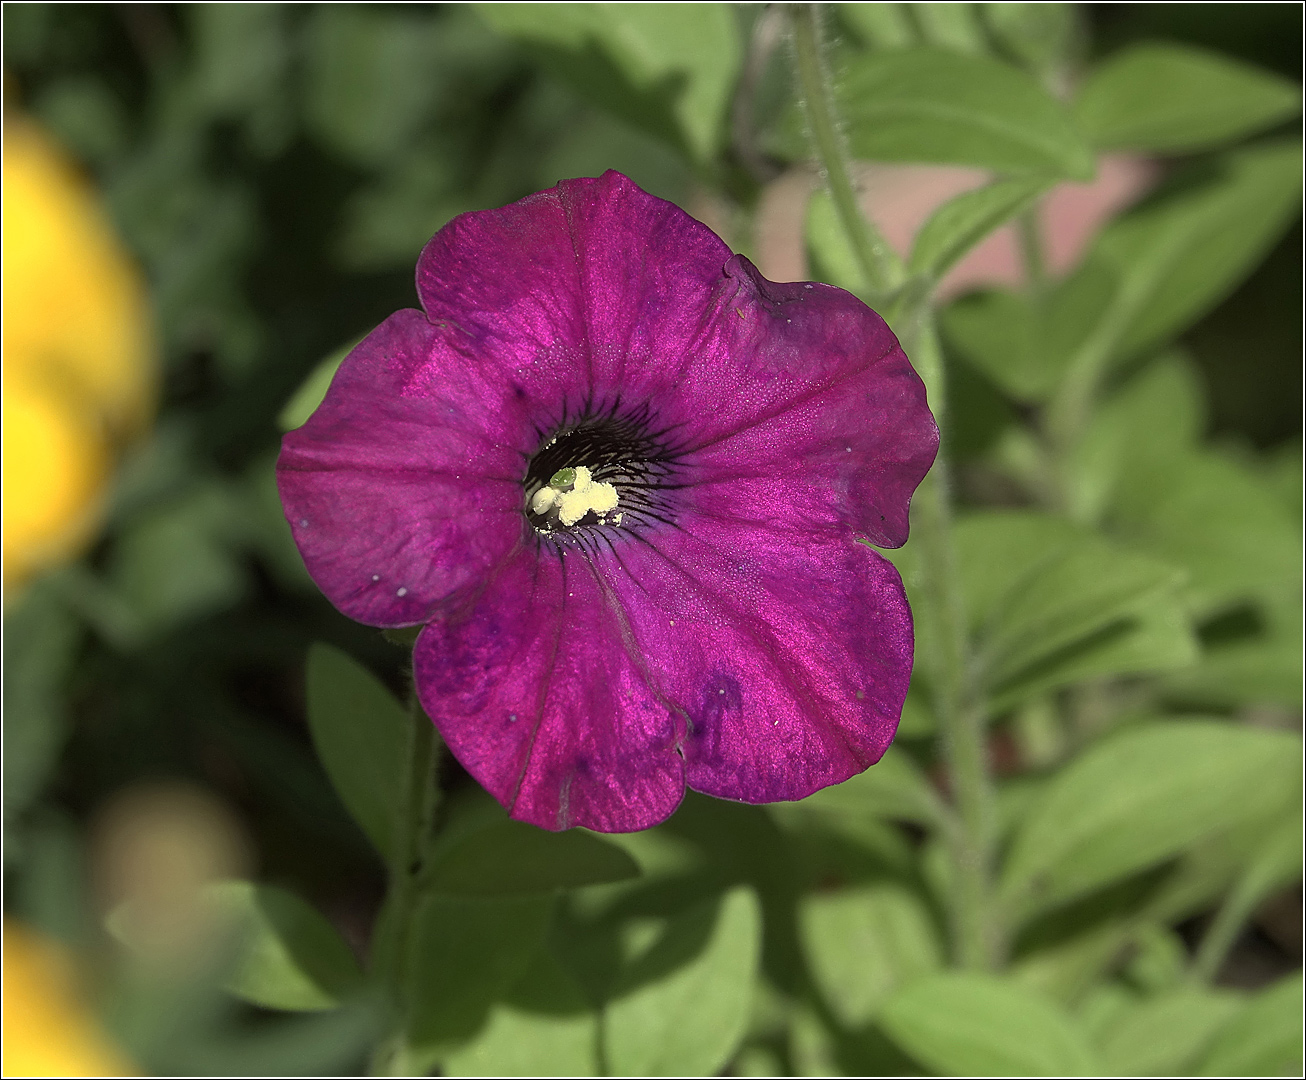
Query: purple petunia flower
{"x":621,"y":477}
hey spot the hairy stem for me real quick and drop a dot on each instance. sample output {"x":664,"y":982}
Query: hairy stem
{"x":971,"y":835}
{"x":976,"y":930}
{"x":395,"y":924}
{"x":880,"y":266}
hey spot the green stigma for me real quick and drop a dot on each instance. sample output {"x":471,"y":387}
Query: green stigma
{"x":562,"y":479}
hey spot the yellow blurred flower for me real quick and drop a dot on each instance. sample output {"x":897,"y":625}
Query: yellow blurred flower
{"x":48,"y":1029}
{"x":78,"y":354}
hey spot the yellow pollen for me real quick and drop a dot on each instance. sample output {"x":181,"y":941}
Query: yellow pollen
{"x":585,"y":495}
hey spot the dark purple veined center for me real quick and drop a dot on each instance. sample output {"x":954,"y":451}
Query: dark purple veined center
{"x":619,"y":448}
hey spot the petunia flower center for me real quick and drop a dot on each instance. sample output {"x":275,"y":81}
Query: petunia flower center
{"x":603,"y":473}
{"x":574,"y":493}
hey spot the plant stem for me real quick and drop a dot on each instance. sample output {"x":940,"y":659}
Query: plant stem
{"x":1031,"y":251}
{"x":880,"y":266}
{"x":957,"y":704}
{"x":395,"y":924}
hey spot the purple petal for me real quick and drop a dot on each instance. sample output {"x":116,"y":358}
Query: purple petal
{"x":836,"y":428}
{"x":534,"y":692}
{"x":596,"y":291}
{"x":592,"y":287}
{"x":400,"y":489}
{"x":788,"y":649}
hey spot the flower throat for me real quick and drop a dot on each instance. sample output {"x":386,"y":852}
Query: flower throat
{"x":600,"y":475}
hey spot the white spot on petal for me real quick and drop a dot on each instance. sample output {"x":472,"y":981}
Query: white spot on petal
{"x":376,"y":577}
{"x":401,"y":591}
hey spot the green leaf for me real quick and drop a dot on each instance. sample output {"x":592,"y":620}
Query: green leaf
{"x":961,"y":223}
{"x":1051,"y":604}
{"x":1283,"y":473}
{"x":828,"y":250}
{"x":372,"y":79}
{"x":879,"y":26}
{"x":466,"y":954}
{"x":545,"y":1027}
{"x":303,"y":402}
{"x":1265,"y":1039}
{"x":894,"y":787}
{"x":1143,"y":796}
{"x":322,"y":1044}
{"x":1137,"y":437}
{"x":1170,"y":98}
{"x":1025,"y":347}
{"x":1217,"y":518}
{"x":1178,"y":255}
{"x":242,"y":57}
{"x":1150,"y":274}
{"x":865,"y":943}
{"x":40,"y":641}
{"x":360,"y":733}
{"x":961,"y":1024}
{"x":668,"y":69}
{"x":952,"y":26}
{"x":292,"y":958}
{"x":506,"y":858}
{"x":1163,"y":1035}
{"x":1157,"y":638}
{"x":1275,"y":864}
{"x":1207,"y":870}
{"x":1041,"y":36}
{"x":686,"y":1001}
{"x":177,"y":562}
{"x":932,"y":105}
{"x":1159,"y":961}
{"x":1067,"y":969}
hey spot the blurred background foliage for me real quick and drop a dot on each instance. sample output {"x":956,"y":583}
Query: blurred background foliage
{"x":273,"y":170}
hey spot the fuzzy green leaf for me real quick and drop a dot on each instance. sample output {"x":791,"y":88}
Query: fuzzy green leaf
{"x":685,"y":1003}
{"x":669,"y":69}
{"x":1143,"y":796}
{"x":292,"y":958}
{"x":961,"y":1024}
{"x":865,"y":943}
{"x":1163,"y":1035}
{"x":934,"y":105}
{"x":360,"y":733}
{"x":511,"y":857}
{"x":961,"y":223}
{"x":466,"y":954}
{"x":1265,"y":1039}
{"x":1171,"y":98}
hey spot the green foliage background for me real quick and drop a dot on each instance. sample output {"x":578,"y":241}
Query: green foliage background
{"x":1126,"y":459}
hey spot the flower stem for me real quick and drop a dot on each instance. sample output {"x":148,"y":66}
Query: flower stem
{"x":395,"y":924}
{"x":880,"y":266}
{"x":977,"y":934}
{"x":958,"y":707}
